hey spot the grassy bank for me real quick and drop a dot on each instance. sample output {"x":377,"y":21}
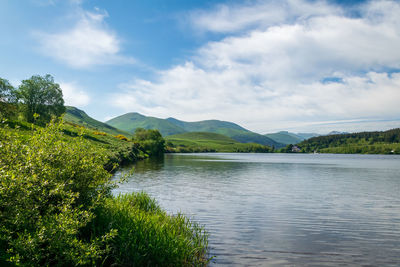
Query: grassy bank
{"x":56,"y":208}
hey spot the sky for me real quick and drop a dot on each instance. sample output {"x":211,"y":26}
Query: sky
{"x":296,"y":65}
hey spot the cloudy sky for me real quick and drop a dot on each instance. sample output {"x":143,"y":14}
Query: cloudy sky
{"x":293,"y":65}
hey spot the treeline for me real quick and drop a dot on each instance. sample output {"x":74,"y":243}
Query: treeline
{"x":56,"y":206}
{"x":386,"y":142}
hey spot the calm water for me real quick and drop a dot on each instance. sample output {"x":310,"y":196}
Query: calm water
{"x":284,"y":209}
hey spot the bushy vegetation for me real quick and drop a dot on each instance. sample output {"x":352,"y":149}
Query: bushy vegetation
{"x":150,"y":141}
{"x":56,"y":208}
{"x":194,"y":142}
{"x":48,"y":190}
{"x":387,"y":142}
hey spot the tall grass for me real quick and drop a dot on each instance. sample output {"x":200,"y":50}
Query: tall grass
{"x":148,"y":236}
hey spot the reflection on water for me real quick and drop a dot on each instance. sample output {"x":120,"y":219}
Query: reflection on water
{"x":283,"y":209}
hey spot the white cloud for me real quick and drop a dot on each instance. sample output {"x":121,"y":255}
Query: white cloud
{"x":269,"y":71}
{"x":73,"y":95}
{"x":89,"y":42}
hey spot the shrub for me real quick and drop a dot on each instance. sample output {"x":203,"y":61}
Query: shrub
{"x":49,"y":187}
{"x":100,"y":133}
{"x":121,"y":137}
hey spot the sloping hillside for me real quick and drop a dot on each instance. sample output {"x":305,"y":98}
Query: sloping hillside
{"x":79,"y":117}
{"x":130,"y":121}
{"x":226,"y":128}
{"x":285,"y":137}
{"x":209,"y":142}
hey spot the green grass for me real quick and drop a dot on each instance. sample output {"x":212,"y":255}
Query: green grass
{"x":209,"y":142}
{"x":130,"y":121}
{"x":79,"y":117}
{"x":147,"y":235}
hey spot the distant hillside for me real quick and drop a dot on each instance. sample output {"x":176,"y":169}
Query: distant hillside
{"x":79,"y":117}
{"x":387,"y":142}
{"x":226,"y":128}
{"x":285,"y":137}
{"x":209,"y":142}
{"x":307,"y":135}
{"x":130,"y":121}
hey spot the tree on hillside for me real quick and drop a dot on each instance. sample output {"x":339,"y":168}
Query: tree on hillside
{"x":7,"y":98}
{"x":41,"y":95}
{"x":150,"y":141}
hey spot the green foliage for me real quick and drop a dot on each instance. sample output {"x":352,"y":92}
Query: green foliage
{"x":387,"y":142}
{"x":209,"y":142}
{"x":147,"y":236}
{"x":42,"y":96}
{"x":150,"y":141}
{"x":56,"y":208}
{"x":8,"y":106}
{"x":49,"y":187}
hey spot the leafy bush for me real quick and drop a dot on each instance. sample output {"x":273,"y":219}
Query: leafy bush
{"x":150,"y":141}
{"x":99,"y":133}
{"x":56,"y":208}
{"x":121,"y":137}
{"x":48,"y":190}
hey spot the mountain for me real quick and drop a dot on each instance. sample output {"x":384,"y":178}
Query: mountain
{"x":307,"y":135}
{"x":79,"y":117}
{"x":285,"y":137}
{"x":130,"y":121}
{"x":209,"y":142}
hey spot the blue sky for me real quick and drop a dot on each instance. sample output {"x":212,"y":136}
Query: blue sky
{"x":293,"y":65}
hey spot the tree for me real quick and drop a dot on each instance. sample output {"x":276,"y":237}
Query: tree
{"x":42,"y":96}
{"x":150,"y":141}
{"x":7,"y":98}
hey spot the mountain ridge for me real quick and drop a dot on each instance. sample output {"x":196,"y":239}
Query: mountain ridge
{"x":170,"y":126}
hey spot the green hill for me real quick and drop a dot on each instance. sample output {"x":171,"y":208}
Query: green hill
{"x":387,"y":142}
{"x":79,"y":117}
{"x":130,"y":121}
{"x":226,"y":128}
{"x":209,"y":142}
{"x":285,"y":137}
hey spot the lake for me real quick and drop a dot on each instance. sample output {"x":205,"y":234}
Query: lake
{"x":283,"y":209}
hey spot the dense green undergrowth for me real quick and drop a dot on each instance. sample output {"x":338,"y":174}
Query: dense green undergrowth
{"x":56,"y":208}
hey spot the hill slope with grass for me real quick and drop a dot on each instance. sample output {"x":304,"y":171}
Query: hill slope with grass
{"x":226,"y":128}
{"x":209,"y":142}
{"x":130,"y":121}
{"x":285,"y":137}
{"x":79,"y":117}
